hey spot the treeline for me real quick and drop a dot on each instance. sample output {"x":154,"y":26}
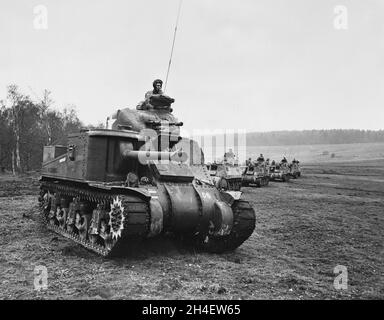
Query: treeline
{"x":27,"y":125}
{"x":307,"y":137}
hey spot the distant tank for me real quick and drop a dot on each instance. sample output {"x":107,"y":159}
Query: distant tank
{"x":109,"y":188}
{"x":295,"y":170}
{"x":226,"y":173}
{"x":256,"y":175}
{"x":280,"y":172}
{"x":226,"y":176}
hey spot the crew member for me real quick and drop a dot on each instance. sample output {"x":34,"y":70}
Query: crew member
{"x":145,"y":105}
{"x":260,"y":158}
{"x":157,"y":86}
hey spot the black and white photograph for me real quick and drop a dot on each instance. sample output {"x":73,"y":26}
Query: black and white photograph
{"x":203,"y":151}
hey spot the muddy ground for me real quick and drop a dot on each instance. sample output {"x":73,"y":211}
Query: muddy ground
{"x":333,"y":215}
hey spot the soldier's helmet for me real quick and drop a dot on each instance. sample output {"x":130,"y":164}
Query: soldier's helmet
{"x":156,"y":82}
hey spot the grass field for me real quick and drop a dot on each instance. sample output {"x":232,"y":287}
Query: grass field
{"x":331,"y":216}
{"x":321,"y":152}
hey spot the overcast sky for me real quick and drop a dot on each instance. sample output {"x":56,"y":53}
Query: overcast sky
{"x":259,"y":65}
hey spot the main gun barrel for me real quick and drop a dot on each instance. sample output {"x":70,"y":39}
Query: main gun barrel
{"x":178,"y":155}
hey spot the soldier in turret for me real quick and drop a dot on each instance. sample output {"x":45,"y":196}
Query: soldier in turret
{"x":260,"y":158}
{"x":157,"y":86}
{"x":157,"y":90}
{"x":229,"y":155}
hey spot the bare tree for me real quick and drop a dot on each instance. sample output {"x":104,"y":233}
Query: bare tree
{"x":46,"y":114}
{"x":14,"y":116}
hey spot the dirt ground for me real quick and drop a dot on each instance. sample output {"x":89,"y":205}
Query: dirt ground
{"x":333,"y":215}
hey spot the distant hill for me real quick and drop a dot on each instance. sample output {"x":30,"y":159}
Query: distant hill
{"x":311,"y":137}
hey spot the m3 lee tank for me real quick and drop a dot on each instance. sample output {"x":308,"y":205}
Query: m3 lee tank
{"x":110,"y":187}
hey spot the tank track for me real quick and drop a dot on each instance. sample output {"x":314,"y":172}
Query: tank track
{"x":134,"y":207}
{"x":243,"y":227}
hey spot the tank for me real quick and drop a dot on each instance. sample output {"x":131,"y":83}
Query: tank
{"x":226,"y":172}
{"x":295,"y":170}
{"x":279,"y":172}
{"x":256,"y":175}
{"x":225,"y":176}
{"x":109,"y":188}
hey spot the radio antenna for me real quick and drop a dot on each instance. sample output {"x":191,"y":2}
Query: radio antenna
{"x":173,"y":44}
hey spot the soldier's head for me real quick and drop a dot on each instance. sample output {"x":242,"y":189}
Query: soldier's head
{"x":157,"y":85}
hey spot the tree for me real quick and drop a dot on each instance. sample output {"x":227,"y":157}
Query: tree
{"x":13,"y":115}
{"x":26,"y":126}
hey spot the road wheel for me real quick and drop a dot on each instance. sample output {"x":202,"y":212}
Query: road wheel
{"x":83,"y":226}
{"x":106,"y":234}
{"x":62,"y":217}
